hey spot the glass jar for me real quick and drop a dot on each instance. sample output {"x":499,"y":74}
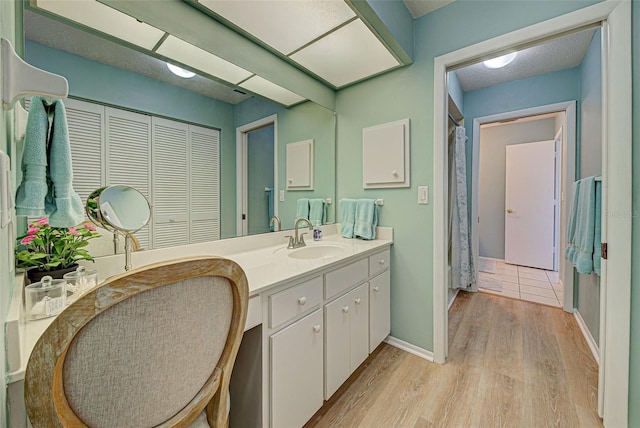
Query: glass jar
{"x":46,"y":298}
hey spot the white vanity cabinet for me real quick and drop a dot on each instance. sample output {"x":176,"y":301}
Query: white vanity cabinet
{"x":379,"y":309}
{"x":347,"y":336}
{"x":296,"y":371}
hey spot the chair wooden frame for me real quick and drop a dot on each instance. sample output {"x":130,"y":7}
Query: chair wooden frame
{"x":45,"y":399}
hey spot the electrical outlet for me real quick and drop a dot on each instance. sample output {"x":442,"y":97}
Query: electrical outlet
{"x":423,"y":195}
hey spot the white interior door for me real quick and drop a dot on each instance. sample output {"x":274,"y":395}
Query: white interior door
{"x":529,"y":204}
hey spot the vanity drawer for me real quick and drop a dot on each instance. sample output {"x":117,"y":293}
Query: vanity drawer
{"x":379,"y":262}
{"x":294,"y":301}
{"x":343,"y":278}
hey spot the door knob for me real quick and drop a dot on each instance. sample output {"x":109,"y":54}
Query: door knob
{"x":510,"y":211}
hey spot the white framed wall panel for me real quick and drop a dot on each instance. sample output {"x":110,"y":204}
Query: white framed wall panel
{"x":300,"y":165}
{"x":385,"y":155}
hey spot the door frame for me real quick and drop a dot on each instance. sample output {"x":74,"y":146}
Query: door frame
{"x":568,"y":176}
{"x":241,"y":168}
{"x":615,"y":18}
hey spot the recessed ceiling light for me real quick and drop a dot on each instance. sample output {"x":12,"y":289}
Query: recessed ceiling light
{"x":500,"y":61}
{"x":180,"y":71}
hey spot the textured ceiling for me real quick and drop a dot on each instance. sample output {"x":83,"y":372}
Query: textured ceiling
{"x":419,"y":8}
{"x":555,"y":55}
{"x":41,"y":29}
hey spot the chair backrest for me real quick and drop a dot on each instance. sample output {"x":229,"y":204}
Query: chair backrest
{"x":154,"y":346}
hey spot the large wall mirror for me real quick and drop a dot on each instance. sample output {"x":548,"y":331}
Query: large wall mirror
{"x":135,"y":123}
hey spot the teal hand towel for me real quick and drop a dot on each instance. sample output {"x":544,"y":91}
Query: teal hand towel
{"x":571,"y":226}
{"x":366,"y":219}
{"x":33,"y":189}
{"x":585,"y":226}
{"x":347,"y":217}
{"x":62,"y":203}
{"x":302,"y":208}
{"x":317,"y":211}
{"x":597,"y":241}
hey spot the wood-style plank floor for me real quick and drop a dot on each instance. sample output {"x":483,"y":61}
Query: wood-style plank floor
{"x":511,"y":364}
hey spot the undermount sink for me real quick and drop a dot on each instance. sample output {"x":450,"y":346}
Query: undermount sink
{"x":316,"y":252}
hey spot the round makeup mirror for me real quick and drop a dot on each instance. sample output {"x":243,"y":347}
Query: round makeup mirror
{"x":120,"y":209}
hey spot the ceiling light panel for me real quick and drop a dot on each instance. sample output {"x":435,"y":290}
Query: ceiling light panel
{"x":202,"y":60}
{"x":258,"y":85}
{"x":104,"y":19}
{"x":348,"y":54}
{"x":283,"y":25}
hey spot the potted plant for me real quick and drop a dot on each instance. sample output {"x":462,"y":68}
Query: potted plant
{"x":46,"y":250}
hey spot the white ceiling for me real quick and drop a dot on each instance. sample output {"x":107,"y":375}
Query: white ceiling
{"x":418,"y":8}
{"x":41,"y":29}
{"x":554,"y":55}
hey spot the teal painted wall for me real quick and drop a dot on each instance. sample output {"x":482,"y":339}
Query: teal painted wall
{"x":260,"y":176}
{"x":408,"y":92}
{"x":589,"y":159}
{"x":455,"y":90}
{"x":634,"y":376}
{"x":8,"y":30}
{"x":397,"y":19}
{"x":301,"y":122}
{"x":105,"y":84}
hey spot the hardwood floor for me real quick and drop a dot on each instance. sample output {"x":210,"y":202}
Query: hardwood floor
{"x":511,"y":363}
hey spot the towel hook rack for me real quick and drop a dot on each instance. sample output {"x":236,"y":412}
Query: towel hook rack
{"x":20,"y":79}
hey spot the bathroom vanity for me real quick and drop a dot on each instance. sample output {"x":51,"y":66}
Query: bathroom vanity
{"x":315,"y":314}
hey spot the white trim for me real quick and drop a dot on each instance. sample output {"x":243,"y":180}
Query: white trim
{"x":616,"y":174}
{"x":453,"y":298}
{"x":568,"y":172}
{"x":593,"y":346}
{"x":408,"y":347}
{"x":241,"y":168}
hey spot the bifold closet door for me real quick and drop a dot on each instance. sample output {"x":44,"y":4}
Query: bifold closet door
{"x":170,"y":183}
{"x":204,"y":144}
{"x":128,"y":153}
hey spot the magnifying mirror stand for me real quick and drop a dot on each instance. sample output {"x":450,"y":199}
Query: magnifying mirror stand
{"x":116,"y":242}
{"x":127,"y":252}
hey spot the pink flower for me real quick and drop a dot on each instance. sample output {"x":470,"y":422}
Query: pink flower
{"x":33,"y":231}
{"x":43,"y":221}
{"x":73,"y":231}
{"x":27,"y":239}
{"x":90,"y":227}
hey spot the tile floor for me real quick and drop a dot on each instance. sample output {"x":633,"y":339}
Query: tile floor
{"x":524,"y":283}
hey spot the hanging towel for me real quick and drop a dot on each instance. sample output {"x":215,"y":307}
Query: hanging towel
{"x":597,"y":242}
{"x":269,"y":192}
{"x":62,"y":204}
{"x":317,"y":211}
{"x":347,"y":217}
{"x":570,"y":251}
{"x":366,"y":219}
{"x":585,"y":226}
{"x":33,"y":189}
{"x":302,"y":208}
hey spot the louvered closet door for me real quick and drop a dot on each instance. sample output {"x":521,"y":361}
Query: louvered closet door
{"x":86,"y":134}
{"x":205,"y":184}
{"x":170,"y":183}
{"x":129,"y":157}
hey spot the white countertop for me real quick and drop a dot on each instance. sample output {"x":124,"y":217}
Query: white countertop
{"x":264,"y":258}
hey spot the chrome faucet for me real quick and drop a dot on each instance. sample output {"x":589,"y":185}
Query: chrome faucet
{"x":298,"y":241}
{"x":275,"y":219}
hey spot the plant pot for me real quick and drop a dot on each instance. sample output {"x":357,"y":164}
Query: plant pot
{"x":34,"y":275}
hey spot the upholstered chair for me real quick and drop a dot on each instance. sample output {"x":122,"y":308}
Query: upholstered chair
{"x":152,"y":347}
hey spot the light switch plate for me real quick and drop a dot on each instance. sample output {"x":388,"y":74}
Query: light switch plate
{"x":282,"y":196}
{"x":423,"y":195}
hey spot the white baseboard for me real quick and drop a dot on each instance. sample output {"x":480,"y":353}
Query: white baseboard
{"x":412,"y":349}
{"x":587,"y":335}
{"x":453,"y":298}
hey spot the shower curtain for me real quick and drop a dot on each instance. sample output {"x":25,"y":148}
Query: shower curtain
{"x":463,"y":274}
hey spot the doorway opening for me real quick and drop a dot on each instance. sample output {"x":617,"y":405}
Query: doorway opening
{"x":256,"y":180}
{"x":613,"y":385}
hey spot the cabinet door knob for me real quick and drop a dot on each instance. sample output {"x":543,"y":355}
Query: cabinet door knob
{"x":316,"y":328}
{"x":376,"y":288}
{"x":302,"y":301}
{"x":345,"y":309}
{"x":357,"y":301}
{"x":381,"y":261}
